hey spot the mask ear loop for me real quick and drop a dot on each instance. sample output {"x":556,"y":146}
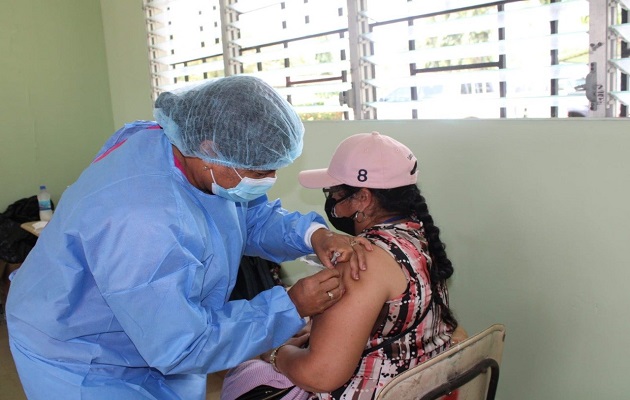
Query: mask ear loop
{"x":239,"y":175}
{"x":214,"y":181}
{"x":334,"y":213}
{"x":206,"y":168}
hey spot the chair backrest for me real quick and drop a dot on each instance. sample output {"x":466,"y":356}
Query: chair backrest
{"x":467,"y":371}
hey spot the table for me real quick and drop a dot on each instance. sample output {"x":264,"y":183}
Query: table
{"x":34,"y":227}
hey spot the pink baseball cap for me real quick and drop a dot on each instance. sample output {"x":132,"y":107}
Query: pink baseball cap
{"x":368,"y":160}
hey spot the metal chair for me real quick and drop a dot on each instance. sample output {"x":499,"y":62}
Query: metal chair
{"x":467,"y":371}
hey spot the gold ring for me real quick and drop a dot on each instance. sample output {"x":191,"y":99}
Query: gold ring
{"x":353,"y":242}
{"x":330,"y":295}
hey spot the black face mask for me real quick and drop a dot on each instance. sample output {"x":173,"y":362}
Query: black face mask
{"x":343,"y":224}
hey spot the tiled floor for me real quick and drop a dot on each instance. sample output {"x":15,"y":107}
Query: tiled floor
{"x":11,"y":389}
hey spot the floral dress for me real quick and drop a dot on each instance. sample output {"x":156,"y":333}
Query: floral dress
{"x":410,"y":329}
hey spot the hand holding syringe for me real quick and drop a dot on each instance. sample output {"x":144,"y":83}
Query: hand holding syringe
{"x":312,"y":259}
{"x":333,"y":260}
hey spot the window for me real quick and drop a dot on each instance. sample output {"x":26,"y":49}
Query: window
{"x":404,"y":59}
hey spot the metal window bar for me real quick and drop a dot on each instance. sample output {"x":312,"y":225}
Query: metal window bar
{"x":555,"y":37}
{"x":361,"y":94}
{"x":229,"y":34}
{"x":502,"y":63}
{"x":625,"y":53}
{"x":553,"y":29}
{"x":291,"y":81}
{"x":619,"y":35}
{"x":413,"y":67}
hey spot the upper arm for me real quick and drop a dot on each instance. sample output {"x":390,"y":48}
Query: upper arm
{"x":339,"y":335}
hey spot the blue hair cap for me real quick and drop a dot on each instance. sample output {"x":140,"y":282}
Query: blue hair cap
{"x":238,"y":121}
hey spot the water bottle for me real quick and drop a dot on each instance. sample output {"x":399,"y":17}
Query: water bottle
{"x":45,"y":206}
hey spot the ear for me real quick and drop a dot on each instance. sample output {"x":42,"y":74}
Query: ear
{"x":364,"y":196}
{"x":207,"y":148}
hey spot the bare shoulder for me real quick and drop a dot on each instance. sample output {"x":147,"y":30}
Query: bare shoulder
{"x":383,"y":272}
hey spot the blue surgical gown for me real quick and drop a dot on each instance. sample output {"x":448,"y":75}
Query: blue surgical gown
{"x":125,"y":295}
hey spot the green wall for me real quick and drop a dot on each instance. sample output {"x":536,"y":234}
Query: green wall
{"x":127,"y":60}
{"x":534,"y":217}
{"x":55,"y":104}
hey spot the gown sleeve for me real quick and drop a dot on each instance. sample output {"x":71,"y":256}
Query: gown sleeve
{"x":276,"y":234}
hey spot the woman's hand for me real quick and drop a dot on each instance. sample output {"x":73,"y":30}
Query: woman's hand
{"x":315,"y":293}
{"x":342,"y":248}
{"x":298,"y":340}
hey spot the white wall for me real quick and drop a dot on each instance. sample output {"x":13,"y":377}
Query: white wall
{"x":533,"y":212}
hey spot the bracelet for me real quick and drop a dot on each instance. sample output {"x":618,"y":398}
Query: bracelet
{"x":273,"y":356}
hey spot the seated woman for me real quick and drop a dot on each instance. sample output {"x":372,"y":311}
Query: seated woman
{"x":396,"y":315}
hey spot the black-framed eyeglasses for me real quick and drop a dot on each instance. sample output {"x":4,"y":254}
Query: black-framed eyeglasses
{"x":328,"y":193}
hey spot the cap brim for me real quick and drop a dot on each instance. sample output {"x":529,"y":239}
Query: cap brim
{"x":317,"y":179}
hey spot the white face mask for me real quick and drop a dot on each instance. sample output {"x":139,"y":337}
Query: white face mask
{"x":247,"y":189}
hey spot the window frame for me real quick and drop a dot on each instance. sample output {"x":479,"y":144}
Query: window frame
{"x":605,"y":86}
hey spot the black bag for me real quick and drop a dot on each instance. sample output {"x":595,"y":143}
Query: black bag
{"x":15,"y":242}
{"x":254,"y":276}
{"x":264,"y":392}
{"x":24,"y":210}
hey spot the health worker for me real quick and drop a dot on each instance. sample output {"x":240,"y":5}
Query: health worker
{"x":125,"y":295}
